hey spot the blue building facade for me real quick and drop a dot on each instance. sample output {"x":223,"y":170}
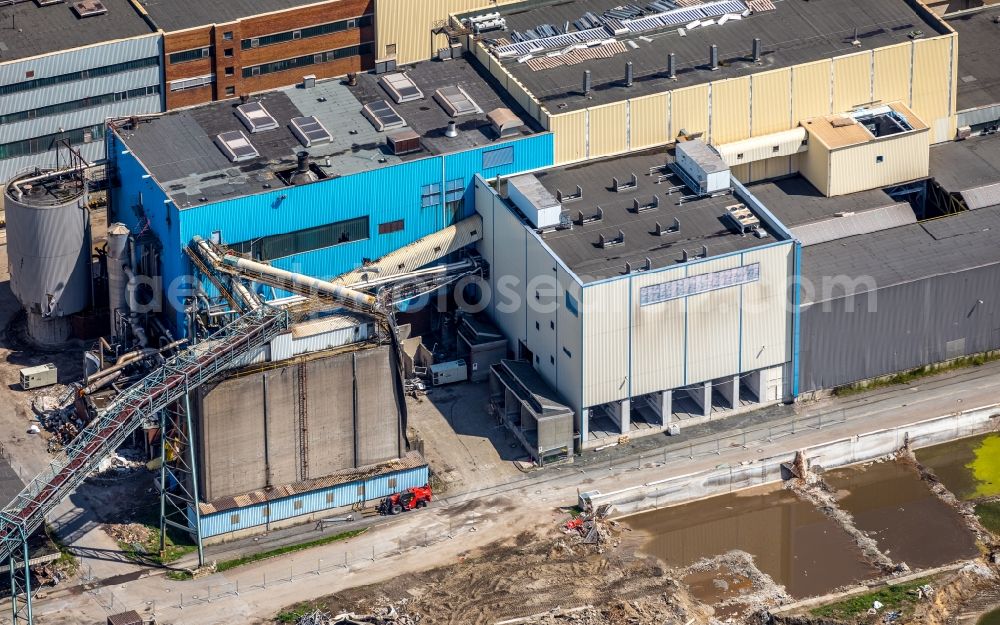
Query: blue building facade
{"x":402,"y":203}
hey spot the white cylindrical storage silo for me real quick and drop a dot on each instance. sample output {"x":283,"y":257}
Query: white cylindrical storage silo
{"x":49,"y":250}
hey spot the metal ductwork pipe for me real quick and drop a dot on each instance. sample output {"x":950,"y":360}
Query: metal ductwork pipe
{"x":756,"y":49}
{"x":586,"y":82}
{"x":672,"y":66}
{"x":358,"y":299}
{"x":628,"y":74}
{"x":713,"y":57}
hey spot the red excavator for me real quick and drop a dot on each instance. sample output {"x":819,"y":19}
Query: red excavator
{"x":416,"y":497}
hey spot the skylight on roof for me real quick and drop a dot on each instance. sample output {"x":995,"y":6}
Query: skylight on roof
{"x":401,"y":87}
{"x":381,"y":114}
{"x":310,"y":131}
{"x":236,"y":146}
{"x":255,"y":117}
{"x":455,"y":101}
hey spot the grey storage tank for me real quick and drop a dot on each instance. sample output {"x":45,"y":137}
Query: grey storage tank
{"x":48,"y":248}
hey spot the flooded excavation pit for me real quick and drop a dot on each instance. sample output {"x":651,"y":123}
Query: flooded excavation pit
{"x":891,"y":504}
{"x":788,"y":538}
{"x":968,"y":467}
{"x":720,"y":586}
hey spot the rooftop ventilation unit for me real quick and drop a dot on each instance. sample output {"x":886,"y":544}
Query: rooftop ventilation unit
{"x":310,"y":131}
{"x":401,"y":88}
{"x":381,"y":114}
{"x":45,"y":3}
{"x":505,"y":122}
{"x":255,"y":117}
{"x":456,"y":102}
{"x":236,"y":146}
{"x":404,"y":142}
{"x":89,"y":8}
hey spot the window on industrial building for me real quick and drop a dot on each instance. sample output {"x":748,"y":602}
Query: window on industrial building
{"x":567,"y":352}
{"x":311,"y":59}
{"x":571,"y":305}
{"x":498,"y":158}
{"x":739,"y":156}
{"x":228,"y":53}
{"x":390,"y":226}
{"x":297,"y":505}
{"x":329,"y":498}
{"x":44,"y":143}
{"x":392,"y":482}
{"x":361,"y":490}
{"x":430,"y":195}
{"x":95,"y":72}
{"x":307,"y":240}
{"x":552,"y":360}
{"x":76,"y":105}
{"x":230,"y":90}
{"x":228,"y":35}
{"x":234,"y":519}
{"x":192,"y":83}
{"x":537,"y":361}
{"x":537,"y":327}
{"x":230,"y":71}
{"x":305,"y":33}
{"x":775,"y":148}
{"x":190,"y":55}
{"x":552,"y":325}
{"x":879,"y":159}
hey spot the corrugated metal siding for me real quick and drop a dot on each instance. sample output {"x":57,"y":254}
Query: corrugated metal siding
{"x":66,"y":92}
{"x":541,"y":304}
{"x":771,"y":102}
{"x":892,"y":73}
{"x":713,"y":326}
{"x":287,"y":346}
{"x":811,"y":86}
{"x":569,"y":332}
{"x":911,"y":325}
{"x":607,"y":130}
{"x":648,"y":121}
{"x":343,"y":495}
{"x":605,"y":311}
{"x":658,"y":339}
{"x":761,"y":148}
{"x":507,"y":271}
{"x":982,"y":115}
{"x":42,"y":126}
{"x":689,"y":110}
{"x":730,"y":110}
{"x":570,"y":130}
{"x":904,"y":157}
{"x":852,"y":81}
{"x":932,"y":99}
{"x":91,"y":152}
{"x":741,"y":172}
{"x":815,"y":166}
{"x":767,"y":309}
{"x":79,"y":59}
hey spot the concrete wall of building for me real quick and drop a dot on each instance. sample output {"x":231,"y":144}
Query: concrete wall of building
{"x":226,"y":57}
{"x":880,"y":163}
{"x":252,"y":431}
{"x":921,"y":74}
{"x":849,"y":339}
{"x":137,"y":61}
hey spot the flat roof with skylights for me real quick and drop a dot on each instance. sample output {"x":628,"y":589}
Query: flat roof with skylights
{"x":229,"y":149}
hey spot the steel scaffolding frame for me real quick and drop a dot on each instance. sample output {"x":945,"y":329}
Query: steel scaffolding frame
{"x":232,"y":346}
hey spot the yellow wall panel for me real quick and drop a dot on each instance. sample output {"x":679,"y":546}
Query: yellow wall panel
{"x":771,"y":95}
{"x":881,"y":163}
{"x":648,"y":121}
{"x":689,"y":110}
{"x":810,"y":90}
{"x":569,"y":132}
{"x":892,"y":73}
{"x":713,"y":326}
{"x":852,"y":81}
{"x":932,"y":83}
{"x":606,"y":128}
{"x":730,"y":110}
{"x":741,"y":172}
{"x":657,"y":336}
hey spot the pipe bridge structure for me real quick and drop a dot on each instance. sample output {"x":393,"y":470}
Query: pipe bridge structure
{"x":146,"y":400}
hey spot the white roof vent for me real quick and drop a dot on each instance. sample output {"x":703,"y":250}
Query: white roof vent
{"x":89,"y":8}
{"x":455,"y":101}
{"x":401,"y":87}
{"x":236,"y":146}
{"x":255,"y":117}
{"x":310,"y":131}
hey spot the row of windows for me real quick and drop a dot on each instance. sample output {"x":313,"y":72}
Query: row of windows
{"x":45,"y":143}
{"x":76,"y":105}
{"x":305,"y":33}
{"x":106,"y":70}
{"x":297,"y":504}
{"x":300,"y":241}
{"x":430,"y":194}
{"x":311,"y":59}
{"x":390,"y":226}
{"x":190,"y":55}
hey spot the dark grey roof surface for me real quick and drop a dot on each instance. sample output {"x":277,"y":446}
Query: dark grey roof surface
{"x":794,"y":201}
{"x":938,"y":246}
{"x":978,"y":51}
{"x":961,"y":165}
{"x":44,"y":30}
{"x":797,"y":31}
{"x":179,"y":151}
{"x":180,"y":14}
{"x":701,"y":220}
{"x":539,"y":390}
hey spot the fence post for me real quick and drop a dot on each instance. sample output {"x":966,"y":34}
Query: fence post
{"x":180,"y":606}
{"x":319,"y":565}
{"x":373,"y":553}
{"x":208,"y":597}
{"x":265,"y":579}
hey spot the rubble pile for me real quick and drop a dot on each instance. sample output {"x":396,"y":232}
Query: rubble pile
{"x":593,"y":527}
{"x":387,"y":615}
{"x":130,"y":533}
{"x":58,"y":416}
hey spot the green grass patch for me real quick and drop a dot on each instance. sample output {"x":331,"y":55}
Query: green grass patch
{"x":905,"y":377}
{"x":294,"y":614}
{"x":896,"y":597}
{"x":67,"y":561}
{"x":177,"y":545}
{"x":989,"y":515}
{"x":225,"y":565}
{"x":179,"y":575}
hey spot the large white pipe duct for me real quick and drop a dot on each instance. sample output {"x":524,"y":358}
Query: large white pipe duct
{"x":357,"y":299}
